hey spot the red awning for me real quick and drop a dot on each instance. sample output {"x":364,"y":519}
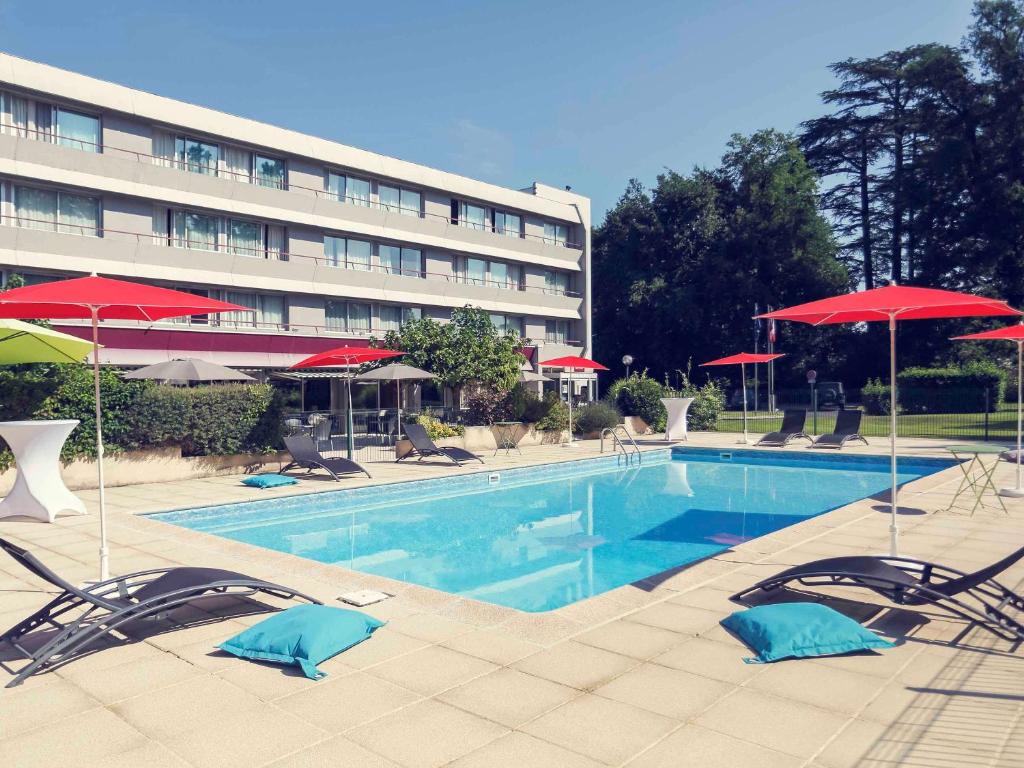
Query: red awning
{"x":1009,"y":333}
{"x":573,"y":362}
{"x":347,"y":356}
{"x":743,"y":357}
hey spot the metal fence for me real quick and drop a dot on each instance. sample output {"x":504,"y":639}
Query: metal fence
{"x":960,"y":415}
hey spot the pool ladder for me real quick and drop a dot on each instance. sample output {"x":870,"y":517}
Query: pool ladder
{"x":617,"y":443}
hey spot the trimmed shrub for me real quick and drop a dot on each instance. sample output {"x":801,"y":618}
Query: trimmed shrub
{"x":594,"y":417}
{"x":709,"y":401}
{"x":640,"y":395}
{"x":557,"y":416}
{"x":437,"y":429}
{"x":970,"y":389}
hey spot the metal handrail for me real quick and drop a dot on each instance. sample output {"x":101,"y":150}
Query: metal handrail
{"x":270,"y":254}
{"x":247,"y":178}
{"x":617,"y":442}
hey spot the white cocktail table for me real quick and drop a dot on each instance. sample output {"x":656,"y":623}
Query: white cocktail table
{"x":39,"y":489}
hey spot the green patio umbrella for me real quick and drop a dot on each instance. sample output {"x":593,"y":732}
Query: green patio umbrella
{"x":27,"y":343}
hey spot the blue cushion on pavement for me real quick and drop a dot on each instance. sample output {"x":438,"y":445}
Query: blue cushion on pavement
{"x":268,"y":481}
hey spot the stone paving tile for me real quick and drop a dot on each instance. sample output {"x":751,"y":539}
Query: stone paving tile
{"x":431,"y":670}
{"x":337,"y":752}
{"x":823,"y":686}
{"x":695,"y":747}
{"x":523,"y":751}
{"x":84,"y":739}
{"x":381,"y":647}
{"x":624,"y":729}
{"x":150,"y":755}
{"x":576,"y":665}
{"x":719,"y":661}
{"x":131,"y":678}
{"x":677,"y":618}
{"x":28,"y":707}
{"x":492,"y":645}
{"x":429,"y":627}
{"x":426,"y":735}
{"x":778,"y":724}
{"x":508,"y":696}
{"x":338,"y":704}
{"x":665,"y":691}
{"x":631,"y":639}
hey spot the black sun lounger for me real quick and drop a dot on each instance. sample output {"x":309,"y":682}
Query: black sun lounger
{"x":423,"y":446}
{"x":977,"y":596}
{"x":110,"y":605}
{"x":792,"y":427}
{"x":306,"y":456}
{"x":847,"y":428}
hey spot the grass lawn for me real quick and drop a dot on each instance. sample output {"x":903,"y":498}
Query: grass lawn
{"x":1002,"y":425}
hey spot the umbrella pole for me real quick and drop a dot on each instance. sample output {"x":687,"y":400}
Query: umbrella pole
{"x":104,"y":552}
{"x":398,"y":402}
{"x":894,"y":530}
{"x":743,"y":388}
{"x":350,"y":442}
{"x":1017,"y":492}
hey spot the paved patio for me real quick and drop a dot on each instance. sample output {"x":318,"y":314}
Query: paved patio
{"x":640,"y":676}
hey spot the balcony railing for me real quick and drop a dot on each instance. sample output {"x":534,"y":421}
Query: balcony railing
{"x":269,"y":254}
{"x":248,"y":178}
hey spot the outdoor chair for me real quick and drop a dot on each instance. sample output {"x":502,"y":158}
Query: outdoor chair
{"x":305,"y":455}
{"x":423,"y":446}
{"x":792,"y":427}
{"x":112,"y":604}
{"x":847,"y":428}
{"x":976,"y":597}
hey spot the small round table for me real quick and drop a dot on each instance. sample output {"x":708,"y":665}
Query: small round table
{"x":977,"y":475}
{"x":506,"y":437}
{"x":39,"y":489}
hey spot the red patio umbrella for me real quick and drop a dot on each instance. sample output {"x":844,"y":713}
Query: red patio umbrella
{"x":572,"y":363}
{"x":1010,"y":333}
{"x":347,"y":356}
{"x":893,"y":303}
{"x":741,"y":360}
{"x":101,"y":298}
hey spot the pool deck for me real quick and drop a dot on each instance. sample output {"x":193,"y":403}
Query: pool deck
{"x":642,"y":676}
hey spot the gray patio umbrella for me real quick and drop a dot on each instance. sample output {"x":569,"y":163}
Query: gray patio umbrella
{"x":396,"y":372}
{"x":187,"y":372}
{"x":526,"y":376}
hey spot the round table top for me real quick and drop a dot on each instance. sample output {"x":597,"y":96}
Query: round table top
{"x":38,"y":423}
{"x":506,"y":423}
{"x":976,"y":448}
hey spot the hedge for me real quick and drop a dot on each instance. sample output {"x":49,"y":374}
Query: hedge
{"x":206,"y":420}
{"x":970,"y":389}
{"x":640,"y":395}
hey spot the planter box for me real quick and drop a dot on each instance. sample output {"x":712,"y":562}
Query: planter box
{"x":636,"y":426}
{"x":482,"y":439}
{"x":154,"y":465}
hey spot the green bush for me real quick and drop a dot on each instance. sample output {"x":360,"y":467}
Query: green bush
{"x":437,"y":429}
{"x":594,"y":417}
{"x":557,"y":415}
{"x":874,"y":398}
{"x":640,"y":395}
{"x":708,"y":402}
{"x":486,"y":406}
{"x":969,"y":389}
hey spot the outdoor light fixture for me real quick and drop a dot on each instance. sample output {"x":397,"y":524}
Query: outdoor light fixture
{"x":627,"y":360}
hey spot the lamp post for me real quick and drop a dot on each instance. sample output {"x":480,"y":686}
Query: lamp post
{"x":627,"y":360}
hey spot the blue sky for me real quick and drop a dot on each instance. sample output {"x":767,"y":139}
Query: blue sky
{"x":581,"y":93}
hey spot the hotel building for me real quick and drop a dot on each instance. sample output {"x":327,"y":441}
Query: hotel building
{"x":328,"y":244}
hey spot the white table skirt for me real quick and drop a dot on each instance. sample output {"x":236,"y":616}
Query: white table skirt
{"x":39,"y":489}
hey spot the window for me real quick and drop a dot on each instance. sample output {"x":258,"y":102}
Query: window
{"x":347,"y":316}
{"x":77,"y":130}
{"x":349,"y":189}
{"x":390,"y":318}
{"x":194,"y":230}
{"x":403,"y":201}
{"x":556,"y":282}
{"x":556,"y":234}
{"x":409,"y":314}
{"x":268,"y":171}
{"x":472,"y":216}
{"x":556,"y":331}
{"x":508,"y":224}
{"x":347,"y":254}
{"x":358,"y":317}
{"x":508,"y":324}
{"x":57,"y":211}
{"x":192,"y":319}
{"x":401,"y":261}
{"x":245,"y":238}
{"x":13,"y":114}
{"x":197,"y":156}
{"x":494,"y":274}
{"x":240,"y":318}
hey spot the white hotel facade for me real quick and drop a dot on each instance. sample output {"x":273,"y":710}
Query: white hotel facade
{"x":329,"y":244}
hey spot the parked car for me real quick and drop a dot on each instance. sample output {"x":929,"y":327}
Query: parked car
{"x":831,"y":394}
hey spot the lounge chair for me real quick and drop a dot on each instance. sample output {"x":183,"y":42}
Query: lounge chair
{"x":977,"y":596}
{"x":792,"y":428}
{"x":423,"y":446}
{"x":306,"y":456}
{"x":847,"y":428}
{"x":112,"y":604}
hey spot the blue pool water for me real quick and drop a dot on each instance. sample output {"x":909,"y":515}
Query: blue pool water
{"x":538,"y":538}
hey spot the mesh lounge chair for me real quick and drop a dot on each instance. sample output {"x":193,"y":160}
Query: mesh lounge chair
{"x":423,"y":446}
{"x":977,"y":596}
{"x":112,"y":604}
{"x":792,"y":428}
{"x":306,"y":456}
{"x":847,"y":428}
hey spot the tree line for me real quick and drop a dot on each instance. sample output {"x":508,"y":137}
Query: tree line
{"x":913,"y":174}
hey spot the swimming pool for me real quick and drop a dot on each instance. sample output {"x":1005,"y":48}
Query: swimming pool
{"x":538,"y":538}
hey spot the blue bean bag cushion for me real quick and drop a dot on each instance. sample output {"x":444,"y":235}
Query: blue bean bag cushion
{"x":797,"y":630}
{"x":268,"y":481}
{"x":304,"y":636}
